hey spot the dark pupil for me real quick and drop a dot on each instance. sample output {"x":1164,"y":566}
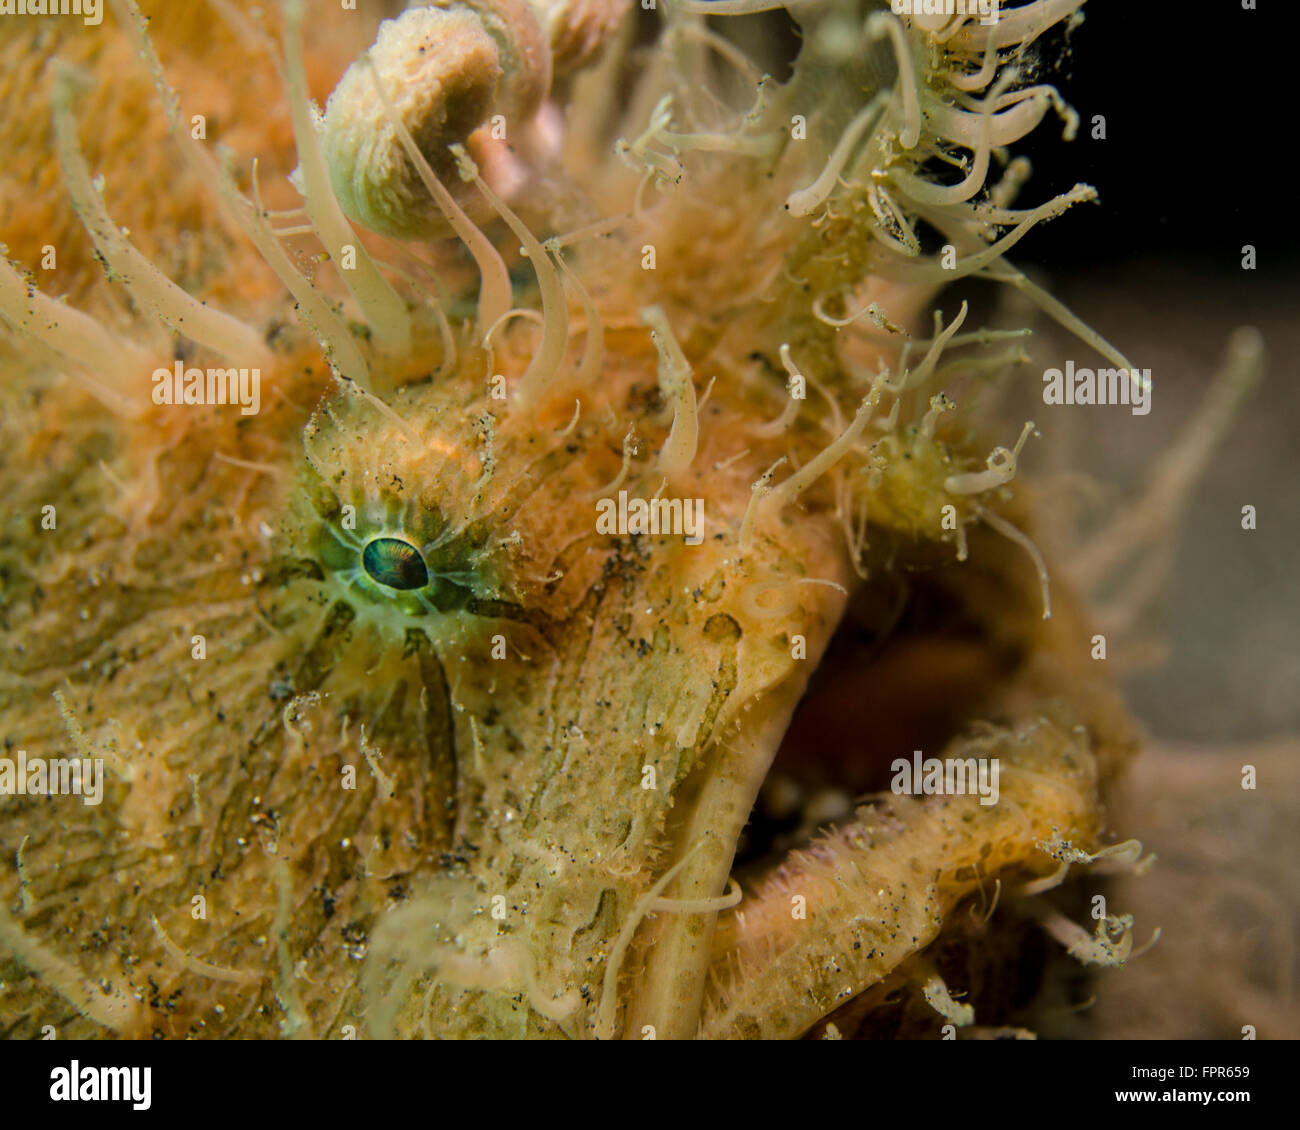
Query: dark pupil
{"x":394,"y":563}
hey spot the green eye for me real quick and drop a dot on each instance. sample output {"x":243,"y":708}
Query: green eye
{"x":395,"y":563}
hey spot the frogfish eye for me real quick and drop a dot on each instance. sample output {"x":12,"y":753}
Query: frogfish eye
{"x":395,"y":563}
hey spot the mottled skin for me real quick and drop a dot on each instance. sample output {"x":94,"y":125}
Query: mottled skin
{"x":467,"y":865}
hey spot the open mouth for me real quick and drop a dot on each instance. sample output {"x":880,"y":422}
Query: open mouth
{"x":908,"y":669}
{"x":918,"y":668}
{"x":872,"y":874}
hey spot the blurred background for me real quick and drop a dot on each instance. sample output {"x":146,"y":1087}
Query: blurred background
{"x":1191,"y":171}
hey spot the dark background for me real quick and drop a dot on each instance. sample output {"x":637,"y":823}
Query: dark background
{"x":1197,"y":160}
{"x":1199,"y":154}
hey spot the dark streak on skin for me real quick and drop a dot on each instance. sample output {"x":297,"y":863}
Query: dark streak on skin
{"x":442,"y":777}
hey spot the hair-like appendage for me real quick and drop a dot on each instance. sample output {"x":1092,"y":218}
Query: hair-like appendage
{"x":379,"y":302}
{"x":186,"y":315}
{"x":70,"y":337}
{"x":677,"y":387}
{"x":340,"y":350}
{"x":544,"y":366}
